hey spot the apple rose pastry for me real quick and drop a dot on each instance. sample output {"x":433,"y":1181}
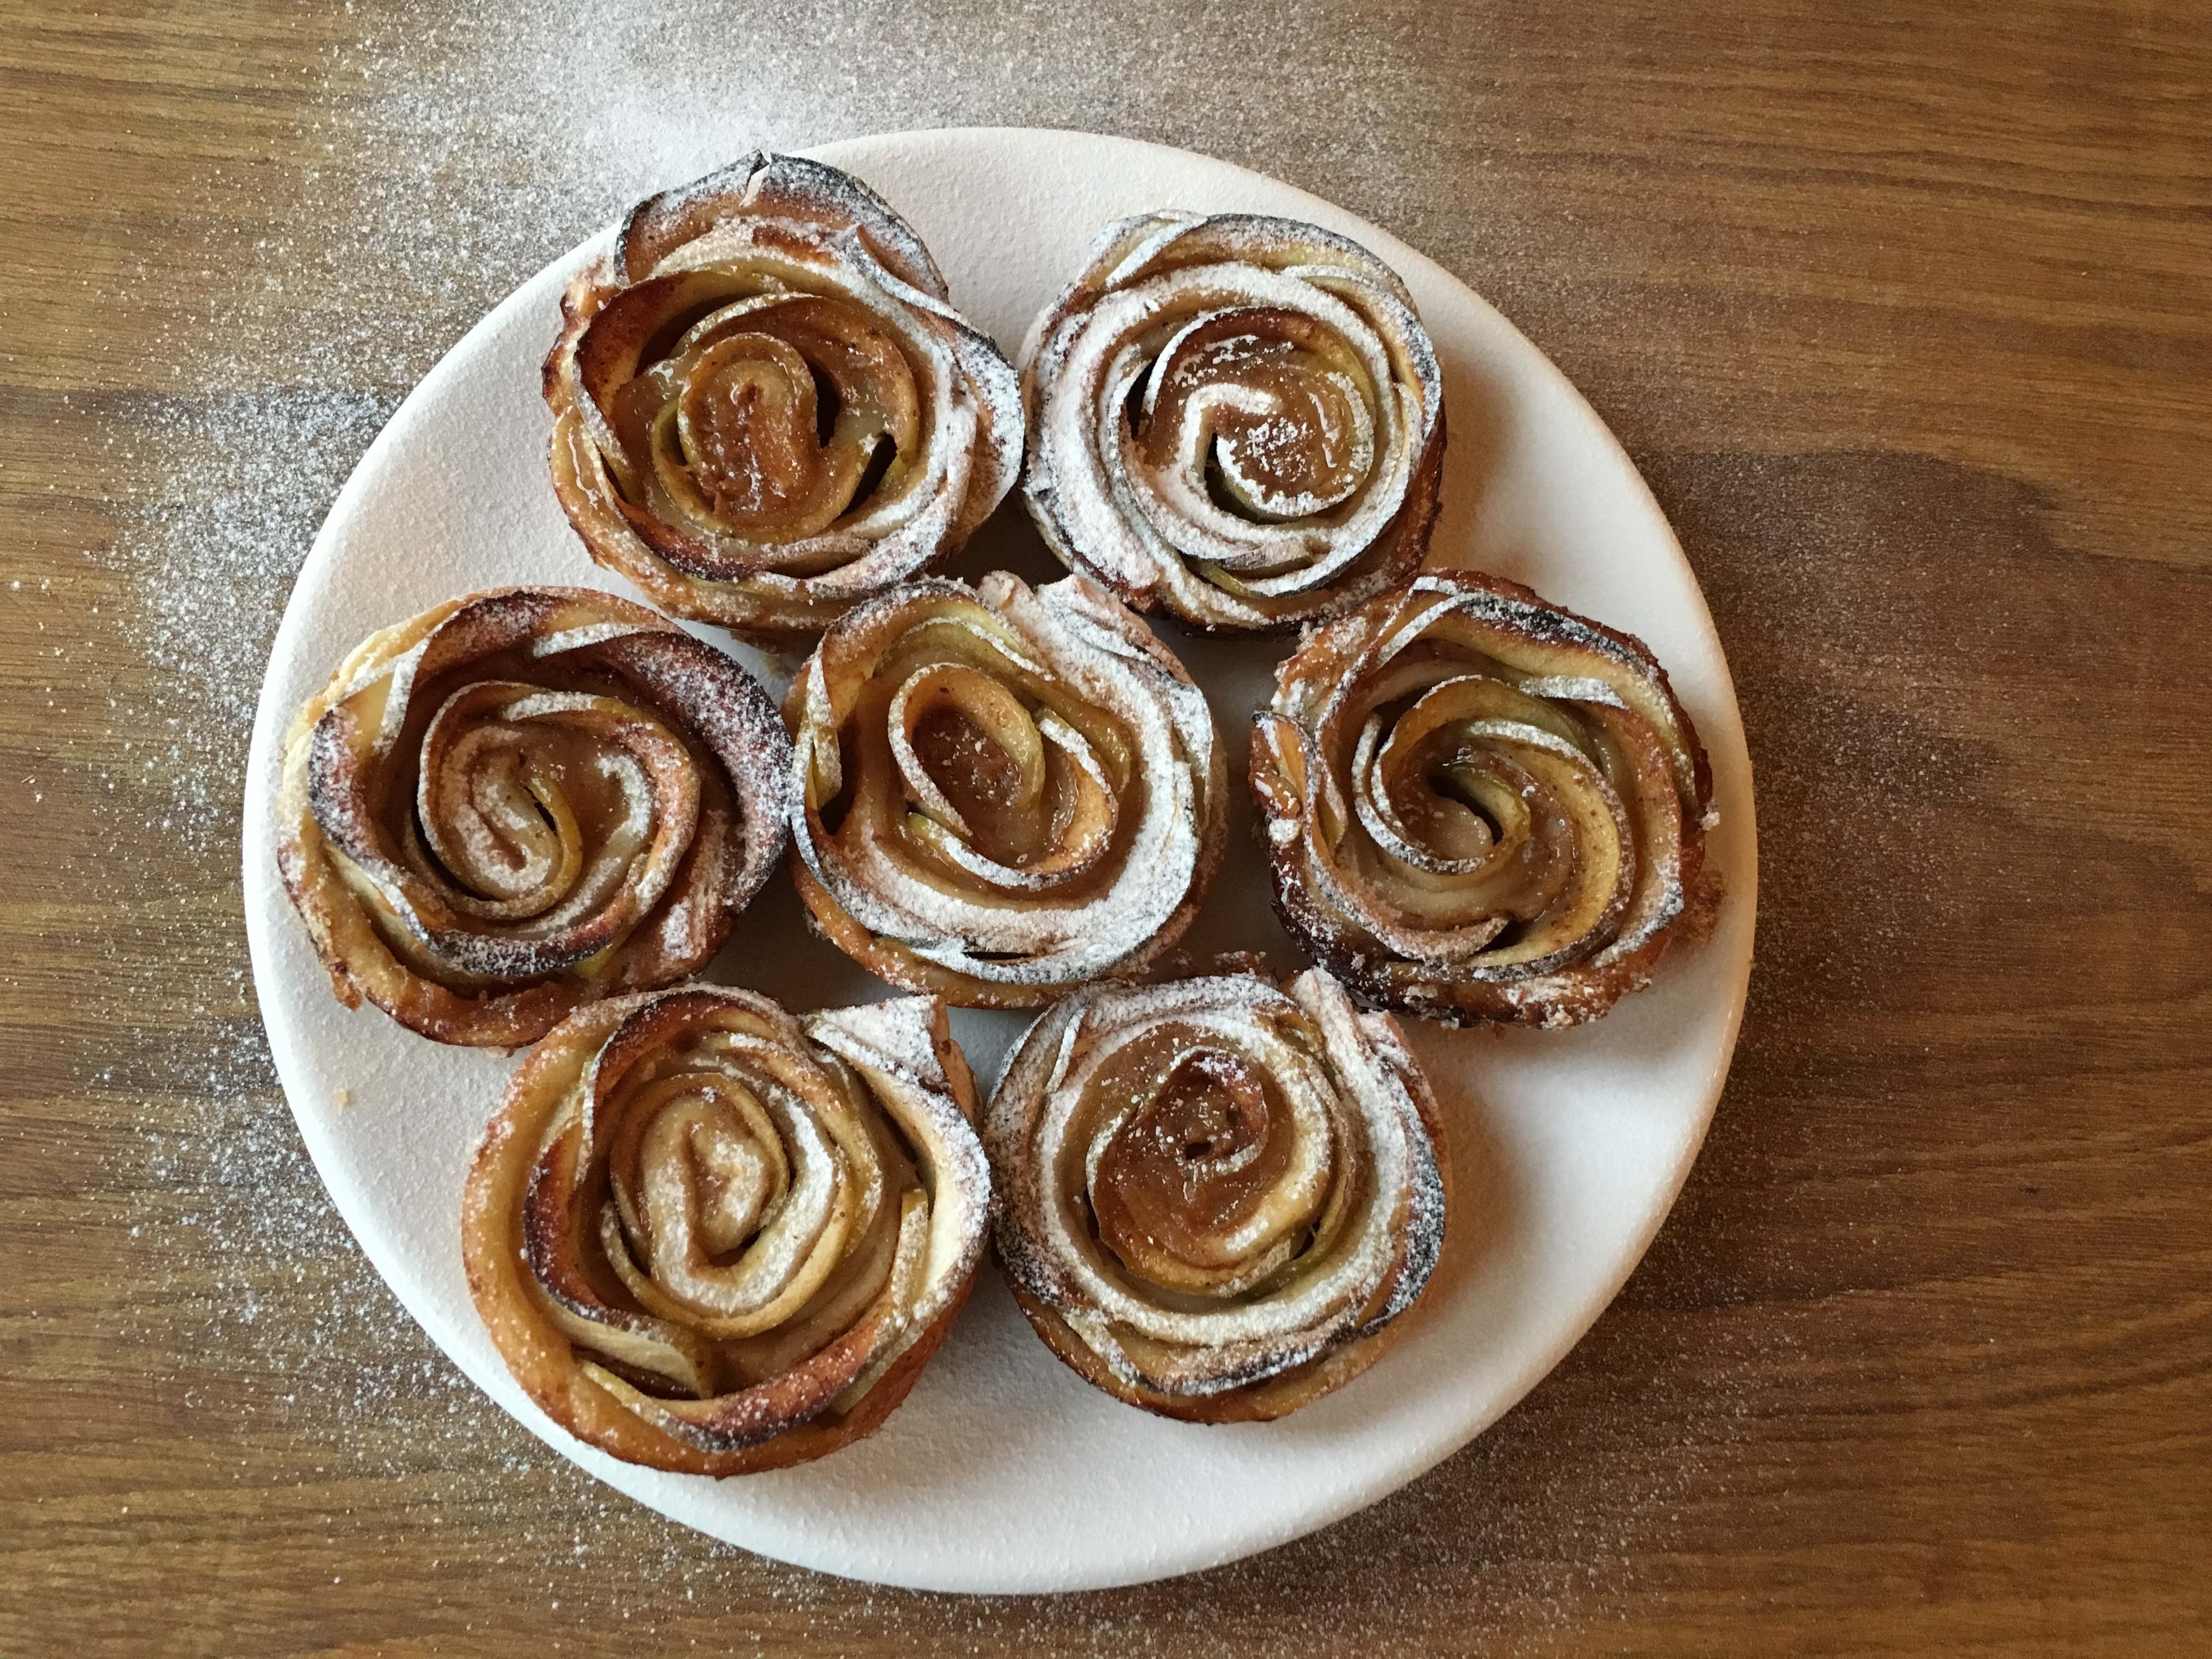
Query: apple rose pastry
{"x":764,"y":408}
{"x":523,"y":800}
{"x":1215,"y":1196}
{"x":709,"y":1237}
{"x":1235,"y":420}
{"x":1479,"y":806}
{"x":1000,"y":793}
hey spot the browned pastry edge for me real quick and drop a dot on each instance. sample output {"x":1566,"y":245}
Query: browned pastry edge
{"x":891,"y":962}
{"x":1595,"y":992}
{"x":1261,"y":1402}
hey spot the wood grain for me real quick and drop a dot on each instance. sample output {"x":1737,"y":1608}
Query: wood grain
{"x":1907,"y":314}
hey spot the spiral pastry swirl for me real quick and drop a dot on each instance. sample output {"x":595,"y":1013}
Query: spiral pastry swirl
{"x":709,"y":1237}
{"x":1215,"y":1195}
{"x":1000,"y":793}
{"x":1237,"y":421}
{"x":524,"y":800}
{"x":765,"y":409}
{"x":1481,"y":807}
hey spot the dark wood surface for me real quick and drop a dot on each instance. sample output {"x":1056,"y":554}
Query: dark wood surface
{"x":1907,"y":312}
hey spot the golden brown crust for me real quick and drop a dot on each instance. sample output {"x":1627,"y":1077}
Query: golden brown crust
{"x":1000,"y":793}
{"x":765,"y":409}
{"x":1216,"y":1200}
{"x":521,"y":801}
{"x":708,"y":1239}
{"x":1259,"y":1402}
{"x":1237,"y":421}
{"x":1481,"y":807}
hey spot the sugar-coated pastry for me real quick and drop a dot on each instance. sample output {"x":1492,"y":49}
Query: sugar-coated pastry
{"x":1235,"y":421}
{"x":1216,"y":1196}
{"x":524,"y":800}
{"x":710,"y":1237}
{"x":1479,"y":806}
{"x":766,"y":408}
{"x":1000,"y":793}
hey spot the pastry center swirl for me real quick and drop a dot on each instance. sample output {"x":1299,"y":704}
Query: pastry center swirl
{"x":1212,"y":1176}
{"x":528,"y":799}
{"x":731,"y":1200}
{"x":1191,"y":1168}
{"x":1004,"y":778}
{"x":1488,"y":811}
{"x":1484,"y":798}
{"x":771,"y":418}
{"x":991,"y":791}
{"x":1271,"y":405}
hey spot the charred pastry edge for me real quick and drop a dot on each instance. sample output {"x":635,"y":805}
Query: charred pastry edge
{"x":349,"y":941}
{"x":1127,"y":250}
{"x":854,"y":226}
{"x":1251,"y":1395}
{"x":1025,"y":985}
{"x":907,"y":1041}
{"x":1573,"y":995}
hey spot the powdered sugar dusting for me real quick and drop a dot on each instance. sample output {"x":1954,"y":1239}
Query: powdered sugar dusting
{"x":462,"y":151}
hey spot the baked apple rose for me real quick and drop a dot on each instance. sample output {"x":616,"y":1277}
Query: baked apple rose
{"x":765,"y":407}
{"x":1216,"y":1196}
{"x":1237,"y":421}
{"x":524,"y":800}
{"x":1001,"y":793}
{"x":1482,"y":807}
{"x":710,"y":1237}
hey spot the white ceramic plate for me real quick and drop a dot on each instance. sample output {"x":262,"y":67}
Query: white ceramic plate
{"x":1002,"y":1472}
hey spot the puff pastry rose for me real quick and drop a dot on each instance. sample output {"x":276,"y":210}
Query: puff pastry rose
{"x":1216,"y":1196}
{"x":1001,"y":793}
{"x":1237,"y":421}
{"x":1480,"y":807}
{"x":709,"y":1237}
{"x":765,"y":408}
{"x":524,"y":800}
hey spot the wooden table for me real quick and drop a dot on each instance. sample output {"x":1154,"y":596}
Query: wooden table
{"x":1905,"y":311}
